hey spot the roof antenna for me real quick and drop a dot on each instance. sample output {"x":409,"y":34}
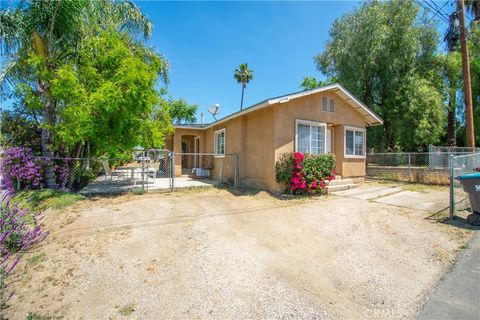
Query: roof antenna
{"x":214,"y":110}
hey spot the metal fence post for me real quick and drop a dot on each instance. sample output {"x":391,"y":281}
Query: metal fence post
{"x":409,"y":168}
{"x":143,"y":171}
{"x":172,"y":170}
{"x":452,"y":194}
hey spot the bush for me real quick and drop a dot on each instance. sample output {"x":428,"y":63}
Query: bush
{"x":20,"y":170}
{"x":305,"y":173}
{"x":19,"y":231}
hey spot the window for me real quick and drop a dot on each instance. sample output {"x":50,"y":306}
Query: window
{"x":354,"y":142}
{"x":324,"y":104}
{"x":310,"y":137}
{"x":219,"y":143}
{"x":332,"y":105}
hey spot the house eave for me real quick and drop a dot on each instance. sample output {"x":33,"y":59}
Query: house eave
{"x":371,"y":118}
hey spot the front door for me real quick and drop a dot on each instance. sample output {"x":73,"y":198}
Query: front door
{"x":328,"y":141}
{"x":185,"y":157}
{"x":196,"y":150}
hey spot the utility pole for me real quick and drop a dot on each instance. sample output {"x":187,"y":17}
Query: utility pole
{"x":467,"y":86}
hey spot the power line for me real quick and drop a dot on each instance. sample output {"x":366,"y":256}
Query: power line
{"x":433,"y":16}
{"x":445,"y":18}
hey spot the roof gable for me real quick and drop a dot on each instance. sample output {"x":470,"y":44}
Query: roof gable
{"x":371,"y":118}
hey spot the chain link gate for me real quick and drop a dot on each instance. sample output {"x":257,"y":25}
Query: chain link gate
{"x":157,"y":168}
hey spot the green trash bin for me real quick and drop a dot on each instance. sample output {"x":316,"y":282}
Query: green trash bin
{"x":471,"y":185}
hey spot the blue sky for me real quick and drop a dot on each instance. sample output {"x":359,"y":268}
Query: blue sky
{"x":205,"y":41}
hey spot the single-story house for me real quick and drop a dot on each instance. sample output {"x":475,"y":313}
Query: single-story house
{"x":327,"y":119}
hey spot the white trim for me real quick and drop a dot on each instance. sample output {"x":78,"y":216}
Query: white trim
{"x":219,"y":155}
{"x":311,"y":123}
{"x":180,"y":126}
{"x":328,"y":132}
{"x":351,"y":128}
{"x":283,"y":99}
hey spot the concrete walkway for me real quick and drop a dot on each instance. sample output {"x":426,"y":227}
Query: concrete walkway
{"x":457,"y":296}
{"x":431,"y":200}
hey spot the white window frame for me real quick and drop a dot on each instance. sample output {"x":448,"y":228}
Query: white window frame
{"x":215,"y":134}
{"x":315,"y":124}
{"x":350,"y":128}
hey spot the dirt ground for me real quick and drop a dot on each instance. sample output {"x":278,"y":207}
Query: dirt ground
{"x":215,"y":254}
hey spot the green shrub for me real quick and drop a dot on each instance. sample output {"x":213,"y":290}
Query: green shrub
{"x":305,"y":173}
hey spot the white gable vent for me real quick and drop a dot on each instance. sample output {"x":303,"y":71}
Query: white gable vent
{"x":332,"y":105}
{"x":324,"y":104}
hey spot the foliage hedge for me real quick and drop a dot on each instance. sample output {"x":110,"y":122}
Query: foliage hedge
{"x":305,"y":173}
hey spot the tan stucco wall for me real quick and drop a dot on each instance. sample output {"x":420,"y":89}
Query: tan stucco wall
{"x":262,"y":136}
{"x":309,"y":108}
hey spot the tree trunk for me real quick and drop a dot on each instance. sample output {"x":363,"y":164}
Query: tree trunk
{"x":48,"y":121}
{"x":72,"y":165}
{"x":387,"y":125}
{"x":241,"y":101}
{"x":47,"y":143}
{"x":452,"y":122}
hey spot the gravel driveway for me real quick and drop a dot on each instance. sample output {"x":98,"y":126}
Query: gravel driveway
{"x":214,"y":254}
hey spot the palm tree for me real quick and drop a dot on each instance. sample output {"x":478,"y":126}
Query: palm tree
{"x":243,"y":75}
{"x":52,"y":31}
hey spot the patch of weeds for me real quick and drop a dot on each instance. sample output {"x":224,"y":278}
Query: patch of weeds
{"x":51,"y":280}
{"x":126,"y":310}
{"x":36,"y":259}
{"x":387,"y":176}
{"x":440,"y":255}
{"x":38,"y":200}
{"x":37,"y":316}
{"x":423,"y":188}
{"x":138,"y":191}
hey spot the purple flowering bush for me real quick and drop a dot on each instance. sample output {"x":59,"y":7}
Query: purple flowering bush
{"x":62,"y":168}
{"x":19,"y":231}
{"x":20,"y":169}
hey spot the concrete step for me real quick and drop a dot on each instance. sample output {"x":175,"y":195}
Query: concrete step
{"x":333,"y":189}
{"x":340,"y":182}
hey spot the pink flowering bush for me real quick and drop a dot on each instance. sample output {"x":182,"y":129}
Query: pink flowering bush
{"x":20,"y":169}
{"x":305,"y":173}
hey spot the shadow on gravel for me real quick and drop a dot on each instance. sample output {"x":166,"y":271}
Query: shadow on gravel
{"x":442,"y":216}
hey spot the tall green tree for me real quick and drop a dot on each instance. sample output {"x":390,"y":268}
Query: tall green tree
{"x":383,"y":52}
{"x":451,"y":73}
{"x":50,"y":33}
{"x":108,"y":98}
{"x":181,"y":111}
{"x":309,"y":83}
{"x":243,"y":75}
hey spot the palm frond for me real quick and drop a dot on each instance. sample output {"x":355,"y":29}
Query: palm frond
{"x":473,"y":7}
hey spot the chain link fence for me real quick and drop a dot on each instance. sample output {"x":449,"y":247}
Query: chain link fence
{"x":410,"y":167}
{"x":150,"y":170}
{"x":432,"y":167}
{"x":439,"y":166}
